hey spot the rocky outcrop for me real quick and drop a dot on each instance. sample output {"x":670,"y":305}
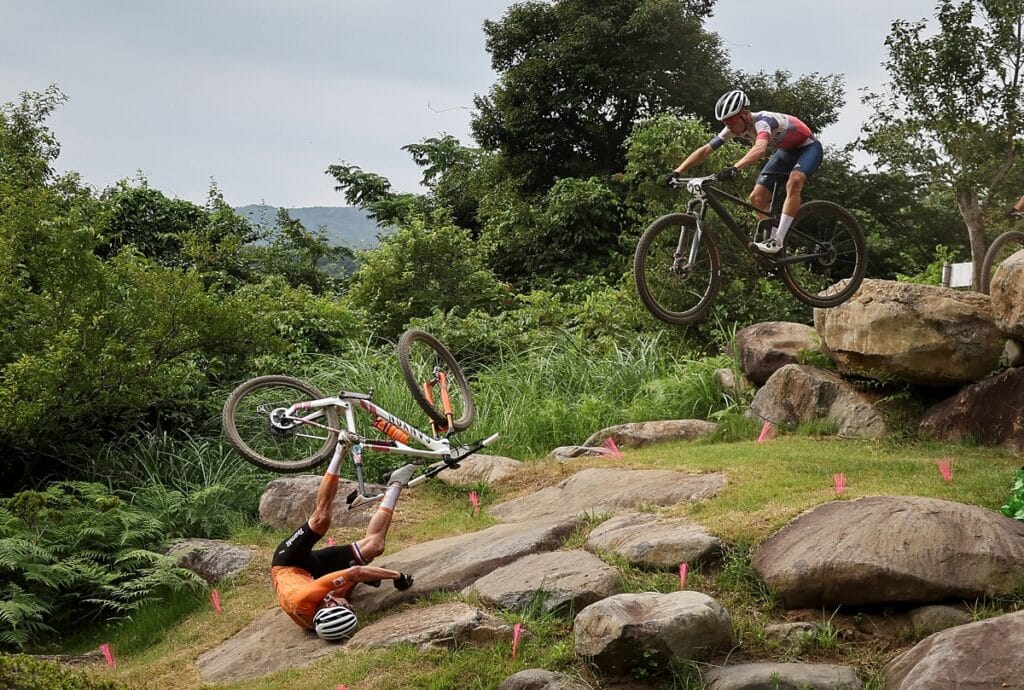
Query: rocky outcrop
{"x":650,"y":541}
{"x":556,"y":581}
{"x":446,"y":626}
{"x":287,"y":503}
{"x":639,"y":434}
{"x":211,"y":559}
{"x":481,"y":469}
{"x":597,"y":491}
{"x":1006,"y":289}
{"x":889,"y":549}
{"x":798,"y":393}
{"x":782,"y":676}
{"x":989,"y":411}
{"x":625,"y":633}
{"x":539,"y":679}
{"x":918,"y":333}
{"x":986,"y":654}
{"x":766,"y":347}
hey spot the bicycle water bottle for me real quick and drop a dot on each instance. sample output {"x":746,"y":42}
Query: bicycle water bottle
{"x":390,"y":430}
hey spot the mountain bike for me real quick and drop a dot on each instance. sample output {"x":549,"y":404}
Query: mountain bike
{"x":1000,"y":250}
{"x":284,"y":424}
{"x":677,"y":267}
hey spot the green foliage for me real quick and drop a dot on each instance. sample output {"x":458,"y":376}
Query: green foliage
{"x":932,"y":273}
{"x":573,"y":78}
{"x":26,"y":673}
{"x":77,"y":553}
{"x":372,"y":193}
{"x":1014,"y":506}
{"x":297,"y":254}
{"x":813,"y":98}
{"x":418,"y":269}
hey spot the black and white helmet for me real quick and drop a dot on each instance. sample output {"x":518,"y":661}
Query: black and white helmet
{"x":731,"y":103}
{"x":335,"y":623}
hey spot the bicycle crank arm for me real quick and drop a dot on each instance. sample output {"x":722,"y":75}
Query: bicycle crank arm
{"x":800,"y":259}
{"x":358,"y":500}
{"x":469,"y":450}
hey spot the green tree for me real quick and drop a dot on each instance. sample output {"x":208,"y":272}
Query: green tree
{"x":576,"y":75}
{"x":814,"y":98}
{"x":952,"y":111}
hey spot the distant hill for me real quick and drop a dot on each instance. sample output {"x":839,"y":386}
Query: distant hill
{"x":345,"y":225}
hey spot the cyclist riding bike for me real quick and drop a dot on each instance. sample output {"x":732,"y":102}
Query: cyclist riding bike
{"x":1017,"y":210}
{"x":313,"y":586}
{"x":798,"y":153}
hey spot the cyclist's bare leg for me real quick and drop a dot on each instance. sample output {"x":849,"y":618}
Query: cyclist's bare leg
{"x":320,"y":521}
{"x":794,"y":190}
{"x":372,"y":545}
{"x":761,"y":197}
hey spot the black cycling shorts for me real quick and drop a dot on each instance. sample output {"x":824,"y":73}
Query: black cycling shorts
{"x":297,"y":552}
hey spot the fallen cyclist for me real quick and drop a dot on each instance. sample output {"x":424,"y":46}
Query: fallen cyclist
{"x":313,"y":586}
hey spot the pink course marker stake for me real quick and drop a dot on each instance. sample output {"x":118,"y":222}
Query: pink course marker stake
{"x":945,"y":469}
{"x":215,"y":598}
{"x":610,"y":444}
{"x":341,"y":686}
{"x":767,"y":432}
{"x":839,"y":481}
{"x":517,"y":630}
{"x":683,"y":569}
{"x":474,"y":500}
{"x":108,"y":654}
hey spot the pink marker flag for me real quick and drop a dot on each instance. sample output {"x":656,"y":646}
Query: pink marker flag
{"x":215,"y":598}
{"x":767,"y":432}
{"x":839,"y":481}
{"x":517,"y":630}
{"x":474,"y":500}
{"x":341,"y":686}
{"x":683,"y":569}
{"x":610,"y":444}
{"x":331,"y":542}
{"x":108,"y":654}
{"x":945,"y":469}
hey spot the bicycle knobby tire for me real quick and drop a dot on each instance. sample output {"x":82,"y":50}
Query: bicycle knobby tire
{"x":833,"y":279}
{"x":412,"y":379}
{"x":250,"y":432}
{"x":674,"y":294}
{"x":993,"y":251}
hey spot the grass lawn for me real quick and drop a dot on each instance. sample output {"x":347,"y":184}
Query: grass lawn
{"x":768,"y":485}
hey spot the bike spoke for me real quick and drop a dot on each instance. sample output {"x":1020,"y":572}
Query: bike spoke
{"x":673,"y":287}
{"x":283,"y":438}
{"x":831,"y":245}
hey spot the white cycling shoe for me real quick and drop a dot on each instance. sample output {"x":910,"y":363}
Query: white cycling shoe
{"x":402,"y":475}
{"x":768,"y":247}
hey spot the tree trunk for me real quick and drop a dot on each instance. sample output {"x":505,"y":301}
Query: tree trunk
{"x":970,"y":211}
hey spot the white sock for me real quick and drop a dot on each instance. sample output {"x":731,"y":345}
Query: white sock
{"x":391,"y":496}
{"x":780,"y":232}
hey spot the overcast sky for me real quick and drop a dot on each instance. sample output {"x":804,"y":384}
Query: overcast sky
{"x":262,"y":95}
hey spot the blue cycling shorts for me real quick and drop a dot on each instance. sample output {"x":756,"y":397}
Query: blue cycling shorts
{"x":806,"y":159}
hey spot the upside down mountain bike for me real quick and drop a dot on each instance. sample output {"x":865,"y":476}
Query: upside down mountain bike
{"x":284,"y":424}
{"x":677,"y":267}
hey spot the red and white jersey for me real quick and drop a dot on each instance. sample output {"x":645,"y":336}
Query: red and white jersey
{"x":781,"y":131}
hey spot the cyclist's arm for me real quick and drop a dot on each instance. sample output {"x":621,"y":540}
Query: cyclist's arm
{"x":342,"y":582}
{"x":695,"y":158}
{"x":753,"y":155}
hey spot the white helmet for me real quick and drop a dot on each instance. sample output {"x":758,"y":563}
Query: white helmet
{"x":335,"y":623}
{"x":731,"y":103}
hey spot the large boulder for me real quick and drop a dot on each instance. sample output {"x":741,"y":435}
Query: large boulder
{"x":555,"y":581}
{"x":891,"y":549}
{"x":445,"y":626}
{"x":287,"y":503}
{"x":763,"y":348}
{"x":480,"y":469}
{"x":639,"y":434}
{"x":982,"y":655}
{"x":211,"y":559}
{"x":627,"y":632}
{"x":918,"y":333}
{"x":596,"y":491}
{"x":989,"y":412}
{"x":1006,"y":289}
{"x":540,"y":679}
{"x":650,"y":541}
{"x":799,"y":393}
{"x":780,"y":676}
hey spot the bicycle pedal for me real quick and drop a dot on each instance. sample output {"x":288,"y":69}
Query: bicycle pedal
{"x":351,"y":497}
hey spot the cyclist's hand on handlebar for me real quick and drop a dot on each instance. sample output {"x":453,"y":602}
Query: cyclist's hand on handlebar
{"x":726,"y":174}
{"x":671,"y":178}
{"x":1012,"y":213}
{"x":404,"y":581}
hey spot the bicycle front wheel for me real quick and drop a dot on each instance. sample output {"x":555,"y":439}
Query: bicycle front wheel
{"x":999,"y":251}
{"x":255,"y":424}
{"x":672,"y":287}
{"x":834,"y":255}
{"x":423,"y":359}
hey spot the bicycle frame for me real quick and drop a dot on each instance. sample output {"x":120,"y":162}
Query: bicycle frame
{"x":349,"y":438}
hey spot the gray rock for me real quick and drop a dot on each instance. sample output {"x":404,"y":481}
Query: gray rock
{"x":650,"y":541}
{"x":287,"y":503}
{"x":557,"y":581}
{"x":788,"y":634}
{"x":889,"y":549}
{"x":1013,"y":353}
{"x":639,"y":434}
{"x":1006,"y":289}
{"x":627,"y":632}
{"x":449,"y":565}
{"x":766,"y":347}
{"x":210,"y":559}
{"x":597,"y":491}
{"x":564,"y":453}
{"x":990,"y":411}
{"x":446,"y":626}
{"x":918,"y":333}
{"x":481,"y":469}
{"x":798,"y":393}
{"x":932,"y":619}
{"x":986,"y":654}
{"x":736,"y":386}
{"x":539,"y":679}
{"x":772,"y":676}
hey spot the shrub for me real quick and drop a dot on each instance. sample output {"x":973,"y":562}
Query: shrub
{"x":25,"y":673}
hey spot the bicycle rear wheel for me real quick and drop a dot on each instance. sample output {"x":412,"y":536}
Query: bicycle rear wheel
{"x":677,"y":291}
{"x":836,"y":255}
{"x":423,"y":359}
{"x":255,"y":425}
{"x":999,"y":251}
